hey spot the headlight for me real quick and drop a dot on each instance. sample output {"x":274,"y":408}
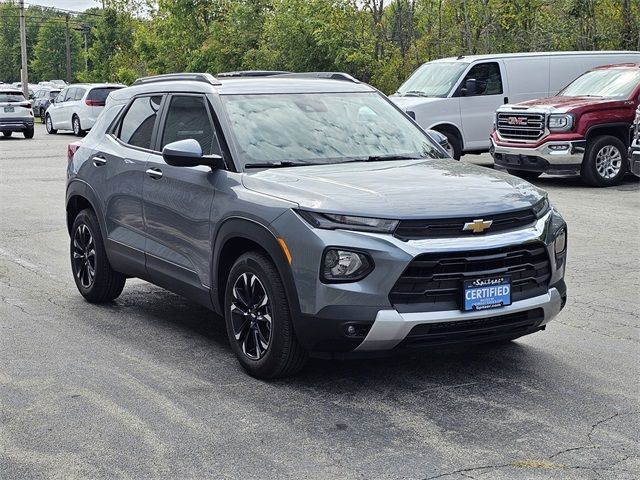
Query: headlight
{"x":560,"y":243}
{"x":340,"y":265}
{"x":541,"y":208}
{"x":560,"y":122}
{"x":330,"y":221}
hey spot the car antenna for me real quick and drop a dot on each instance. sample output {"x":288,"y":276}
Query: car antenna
{"x":460,"y":57}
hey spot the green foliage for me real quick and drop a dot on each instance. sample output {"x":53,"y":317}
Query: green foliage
{"x":378,"y":41}
{"x":51,"y":54}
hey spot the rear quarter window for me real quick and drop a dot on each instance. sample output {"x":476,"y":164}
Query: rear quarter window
{"x":101,"y":94}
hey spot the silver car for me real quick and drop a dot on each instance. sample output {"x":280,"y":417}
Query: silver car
{"x":312,"y":214}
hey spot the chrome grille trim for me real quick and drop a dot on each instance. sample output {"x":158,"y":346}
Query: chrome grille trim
{"x":521,"y":126}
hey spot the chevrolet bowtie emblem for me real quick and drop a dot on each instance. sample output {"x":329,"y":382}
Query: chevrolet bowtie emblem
{"x":477,"y":226}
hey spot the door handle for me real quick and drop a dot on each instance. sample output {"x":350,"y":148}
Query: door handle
{"x":99,"y":161}
{"x":154,"y":173}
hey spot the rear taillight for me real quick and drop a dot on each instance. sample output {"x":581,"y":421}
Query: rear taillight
{"x":72,"y":148}
{"x":28,"y":105}
{"x":94,"y":103}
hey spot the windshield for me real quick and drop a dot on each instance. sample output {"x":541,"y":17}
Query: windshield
{"x":432,"y":79}
{"x":322,"y":128}
{"x":604,"y":83}
{"x":11,"y":97}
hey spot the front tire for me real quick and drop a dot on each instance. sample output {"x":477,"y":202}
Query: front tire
{"x":258,"y":319}
{"x":96,"y":280}
{"x":524,"y":174}
{"x":455,"y":149}
{"x":77,"y":129}
{"x":49,"y":125}
{"x":605,"y":162}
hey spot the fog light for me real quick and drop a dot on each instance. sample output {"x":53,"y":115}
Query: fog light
{"x":561,"y":147}
{"x":345,"y":265}
{"x":560,"y":243}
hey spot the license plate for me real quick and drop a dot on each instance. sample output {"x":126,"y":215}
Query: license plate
{"x":512,"y":159}
{"x":9,"y":109}
{"x":486,"y":293}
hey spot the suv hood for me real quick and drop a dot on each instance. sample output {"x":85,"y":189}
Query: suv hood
{"x":407,"y":103}
{"x":397,"y":189}
{"x":562,"y":104}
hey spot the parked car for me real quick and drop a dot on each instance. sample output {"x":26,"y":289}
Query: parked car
{"x":42,"y":99}
{"x":59,"y":83}
{"x":458,"y":96}
{"x":16,"y":114}
{"x":312,"y":214}
{"x":634,"y":150}
{"x":582,"y":130}
{"x":77,"y":107}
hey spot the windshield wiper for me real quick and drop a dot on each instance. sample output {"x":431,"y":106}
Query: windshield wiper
{"x":383,"y":158}
{"x":279,"y":164}
{"x":415,"y":93}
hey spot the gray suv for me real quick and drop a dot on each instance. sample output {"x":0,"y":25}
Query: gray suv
{"x":312,"y":214}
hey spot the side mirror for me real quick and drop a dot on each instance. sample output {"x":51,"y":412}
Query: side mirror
{"x":439,"y":138}
{"x":188,"y":153}
{"x":470,"y":87}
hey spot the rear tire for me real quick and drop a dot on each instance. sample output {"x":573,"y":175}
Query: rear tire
{"x":28,"y":133}
{"x":258,"y":319}
{"x":605,"y":161}
{"x":524,"y":174}
{"x":49,"y":125}
{"x":77,"y":129}
{"x":7,"y":134}
{"x":97,"y":282}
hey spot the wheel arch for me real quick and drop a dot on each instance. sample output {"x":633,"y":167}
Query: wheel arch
{"x":450,"y":127}
{"x":80,"y":196}
{"x":618,"y":130}
{"x":237,"y":236}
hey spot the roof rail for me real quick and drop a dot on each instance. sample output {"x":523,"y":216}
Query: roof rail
{"x":328,"y":75}
{"x":250,"y":73}
{"x":172,"y":77}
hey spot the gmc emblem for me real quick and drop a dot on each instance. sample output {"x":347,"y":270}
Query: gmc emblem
{"x":517,"y":120}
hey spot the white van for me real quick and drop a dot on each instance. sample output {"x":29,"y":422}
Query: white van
{"x":458,"y":96}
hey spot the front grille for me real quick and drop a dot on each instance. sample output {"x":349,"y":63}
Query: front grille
{"x":521,"y":126}
{"x":433,"y":281}
{"x":452,"y":227}
{"x":478,"y":329}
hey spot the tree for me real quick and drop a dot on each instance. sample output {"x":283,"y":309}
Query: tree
{"x":50,"y":52}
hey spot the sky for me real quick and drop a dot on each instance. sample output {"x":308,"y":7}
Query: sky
{"x":79,"y":5}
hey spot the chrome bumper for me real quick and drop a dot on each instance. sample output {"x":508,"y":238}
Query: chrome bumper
{"x":554,"y":155}
{"x":391,"y":327}
{"x":634,"y":160}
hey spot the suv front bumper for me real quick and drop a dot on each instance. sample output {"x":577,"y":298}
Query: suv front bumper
{"x":634,"y":159}
{"x":555,"y":157}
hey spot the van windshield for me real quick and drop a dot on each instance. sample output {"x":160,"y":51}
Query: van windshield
{"x":432,"y":80}
{"x":614,"y":82}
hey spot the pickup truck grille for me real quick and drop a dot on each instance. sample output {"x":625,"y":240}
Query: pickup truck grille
{"x":521,"y":126}
{"x":433,"y":281}
{"x":452,"y":227}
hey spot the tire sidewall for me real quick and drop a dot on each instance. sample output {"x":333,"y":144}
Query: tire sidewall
{"x":48,"y":123}
{"x":589,"y":171}
{"x":75,"y":123}
{"x":280,"y":316}
{"x":454,"y":142}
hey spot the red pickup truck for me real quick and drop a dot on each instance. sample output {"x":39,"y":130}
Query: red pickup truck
{"x":584,"y":129}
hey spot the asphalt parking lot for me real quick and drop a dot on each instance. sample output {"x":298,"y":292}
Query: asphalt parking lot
{"x":147,"y":387}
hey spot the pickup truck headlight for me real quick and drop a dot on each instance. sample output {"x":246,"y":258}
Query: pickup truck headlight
{"x":330,"y":221}
{"x":560,"y":243}
{"x":560,"y":122}
{"x":541,"y":208}
{"x":341,"y":265}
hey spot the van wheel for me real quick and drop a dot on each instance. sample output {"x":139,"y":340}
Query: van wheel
{"x":7,"y":134}
{"x":455,"y":146}
{"x":524,"y":174}
{"x":605,"y":161}
{"x":77,"y":129}
{"x":258,"y":319}
{"x":49,"y":125}
{"x":92,"y":272}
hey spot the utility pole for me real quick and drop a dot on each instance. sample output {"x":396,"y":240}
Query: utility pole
{"x":67,"y":42}
{"x":24,"y":77}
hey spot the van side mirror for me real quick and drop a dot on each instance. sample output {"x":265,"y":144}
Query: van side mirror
{"x":188,"y":153}
{"x":470,"y":87}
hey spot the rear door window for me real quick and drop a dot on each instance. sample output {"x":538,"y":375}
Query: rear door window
{"x":69,"y":93}
{"x":138,"y":122}
{"x":188,"y":117}
{"x":79,"y":94}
